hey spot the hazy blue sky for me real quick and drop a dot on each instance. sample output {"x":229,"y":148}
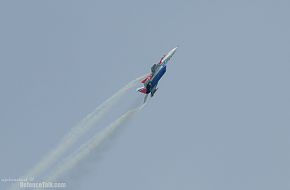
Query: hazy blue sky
{"x":220,"y":119}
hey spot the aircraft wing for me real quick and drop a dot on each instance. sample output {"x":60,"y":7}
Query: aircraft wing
{"x":147,"y":78}
{"x":142,"y":90}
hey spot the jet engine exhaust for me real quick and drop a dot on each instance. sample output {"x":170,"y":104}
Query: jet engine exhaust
{"x":76,"y":132}
{"x":91,"y":145}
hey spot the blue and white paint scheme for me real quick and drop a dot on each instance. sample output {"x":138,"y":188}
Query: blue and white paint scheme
{"x":157,"y":71}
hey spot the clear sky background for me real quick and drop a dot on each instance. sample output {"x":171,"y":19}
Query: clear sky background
{"x":220,"y":119}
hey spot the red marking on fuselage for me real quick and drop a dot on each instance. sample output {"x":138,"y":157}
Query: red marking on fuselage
{"x":160,"y":62}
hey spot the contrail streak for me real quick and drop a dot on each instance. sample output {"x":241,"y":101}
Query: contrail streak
{"x":92,"y":144}
{"x":76,"y":132}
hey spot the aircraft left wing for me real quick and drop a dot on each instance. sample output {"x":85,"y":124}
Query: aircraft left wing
{"x":147,"y":78}
{"x":142,"y":90}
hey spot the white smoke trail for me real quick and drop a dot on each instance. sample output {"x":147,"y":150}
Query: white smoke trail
{"x":76,"y":132}
{"x":91,"y":145}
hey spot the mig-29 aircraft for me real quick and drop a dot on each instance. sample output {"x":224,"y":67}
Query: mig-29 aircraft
{"x":157,"y":71}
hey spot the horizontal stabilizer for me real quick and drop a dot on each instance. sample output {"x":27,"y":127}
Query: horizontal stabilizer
{"x":142,"y":90}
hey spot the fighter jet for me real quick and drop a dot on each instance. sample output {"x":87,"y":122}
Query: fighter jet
{"x":157,"y":71}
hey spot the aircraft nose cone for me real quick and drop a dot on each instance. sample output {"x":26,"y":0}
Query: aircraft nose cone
{"x":174,"y":50}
